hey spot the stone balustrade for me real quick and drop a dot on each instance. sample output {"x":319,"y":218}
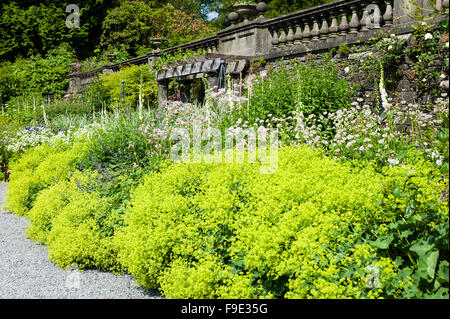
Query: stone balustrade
{"x":208,"y":45}
{"x":332,"y":20}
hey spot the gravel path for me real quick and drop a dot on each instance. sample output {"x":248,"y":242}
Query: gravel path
{"x":26,"y":272}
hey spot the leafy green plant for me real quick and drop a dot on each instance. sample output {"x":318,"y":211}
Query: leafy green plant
{"x":122,"y":27}
{"x":313,"y":229}
{"x":344,"y":49}
{"x":313,"y":87}
{"x":179,"y":56}
{"x":137,"y":80}
{"x":10,"y":83}
{"x":39,"y":168}
{"x":45,"y":75}
{"x":428,"y":46}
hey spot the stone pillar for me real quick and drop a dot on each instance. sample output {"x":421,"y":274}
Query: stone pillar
{"x":253,"y":38}
{"x":401,"y":11}
{"x":151,"y":58}
{"x":73,"y":88}
{"x":163,"y":89}
{"x":212,"y":79}
{"x":185,"y":91}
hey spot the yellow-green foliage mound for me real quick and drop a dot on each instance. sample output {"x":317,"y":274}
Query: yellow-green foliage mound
{"x":39,"y":168}
{"x":65,"y":209}
{"x":313,"y":229}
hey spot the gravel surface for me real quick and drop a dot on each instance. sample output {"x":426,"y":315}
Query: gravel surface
{"x":26,"y":272}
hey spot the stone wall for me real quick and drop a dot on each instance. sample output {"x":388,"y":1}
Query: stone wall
{"x":358,"y":66}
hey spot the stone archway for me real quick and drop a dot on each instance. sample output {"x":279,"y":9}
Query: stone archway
{"x":207,"y":67}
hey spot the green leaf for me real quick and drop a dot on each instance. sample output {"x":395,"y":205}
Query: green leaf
{"x":441,"y":293}
{"x":444,"y":24}
{"x":383,"y":241}
{"x":405,"y":233}
{"x":442,"y":274}
{"x":422,"y":246}
{"x":397,"y":192}
{"x":427,"y":265}
{"x":398,"y":261}
{"x":443,"y":136}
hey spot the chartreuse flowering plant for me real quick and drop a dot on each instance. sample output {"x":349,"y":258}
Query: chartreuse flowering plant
{"x":313,"y":229}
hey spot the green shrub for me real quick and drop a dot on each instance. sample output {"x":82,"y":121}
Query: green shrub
{"x":71,"y":217}
{"x":77,"y":217}
{"x":137,"y":79}
{"x":39,"y":168}
{"x":44,"y":75}
{"x":10,"y":82}
{"x":122,"y":27}
{"x":75,"y":236}
{"x":313,"y":229}
{"x":313,"y":87}
{"x":120,"y":144}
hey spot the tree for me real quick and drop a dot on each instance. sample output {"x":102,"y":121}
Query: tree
{"x":133,"y":24}
{"x":35,"y":27}
{"x":279,"y":7}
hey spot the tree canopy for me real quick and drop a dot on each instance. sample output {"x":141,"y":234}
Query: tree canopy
{"x":36,"y":27}
{"x":30,"y":27}
{"x":132,"y":25}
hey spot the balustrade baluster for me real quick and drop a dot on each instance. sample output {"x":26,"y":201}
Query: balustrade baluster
{"x":365,"y":19}
{"x":354,"y":22}
{"x":274,"y":33}
{"x":334,"y":26}
{"x":376,"y":16}
{"x":306,"y":32}
{"x":283,"y":39}
{"x":324,"y":30}
{"x":290,"y":36}
{"x":315,"y":31}
{"x":387,"y":17}
{"x":343,"y":26}
{"x":298,"y":33}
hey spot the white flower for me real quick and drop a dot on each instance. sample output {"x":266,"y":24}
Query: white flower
{"x":346,"y":69}
{"x":349,"y":144}
{"x":428,"y":36}
{"x":393,"y":161}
